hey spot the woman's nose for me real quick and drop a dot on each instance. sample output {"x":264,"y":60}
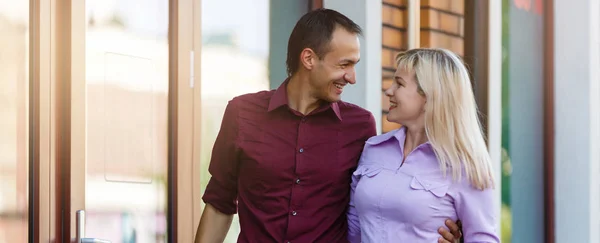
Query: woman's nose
{"x":389,"y":91}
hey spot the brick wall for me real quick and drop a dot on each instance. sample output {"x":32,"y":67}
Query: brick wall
{"x":442,"y":25}
{"x":394,"y":40}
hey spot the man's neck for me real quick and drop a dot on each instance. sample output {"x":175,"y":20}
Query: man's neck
{"x":299,"y":94}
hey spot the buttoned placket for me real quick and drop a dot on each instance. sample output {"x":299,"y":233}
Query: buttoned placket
{"x":297,"y":181}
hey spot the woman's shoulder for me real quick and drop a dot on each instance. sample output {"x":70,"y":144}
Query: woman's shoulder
{"x":465,"y":185}
{"x":378,"y":139}
{"x":380,"y":152}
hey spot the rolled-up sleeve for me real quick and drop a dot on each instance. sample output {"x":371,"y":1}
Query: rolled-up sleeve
{"x":478,"y":212}
{"x":221,"y":191}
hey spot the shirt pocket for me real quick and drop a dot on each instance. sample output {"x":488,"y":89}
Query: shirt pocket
{"x":430,"y":205}
{"x":436,"y":187}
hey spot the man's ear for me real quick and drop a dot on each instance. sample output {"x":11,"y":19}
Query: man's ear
{"x":308,"y":58}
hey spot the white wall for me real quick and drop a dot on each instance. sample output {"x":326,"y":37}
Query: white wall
{"x":367,"y":90}
{"x":595,"y":117}
{"x":577,"y":104}
{"x":495,"y":95}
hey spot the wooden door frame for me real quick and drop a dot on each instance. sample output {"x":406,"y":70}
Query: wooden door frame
{"x":184,"y":108}
{"x":549,"y":209}
{"x":58,"y":27}
{"x":315,"y":4}
{"x":40,"y":100}
{"x":476,"y":47}
{"x":194,"y":167}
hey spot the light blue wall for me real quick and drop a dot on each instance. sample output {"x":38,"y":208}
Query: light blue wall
{"x":283,"y":17}
{"x":366,"y":92}
{"x":526,"y":123}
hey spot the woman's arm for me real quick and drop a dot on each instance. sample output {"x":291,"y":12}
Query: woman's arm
{"x":478,"y":213}
{"x":353,"y":221}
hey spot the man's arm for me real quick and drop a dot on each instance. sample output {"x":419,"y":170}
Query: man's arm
{"x":214,"y":226}
{"x":221,"y":192}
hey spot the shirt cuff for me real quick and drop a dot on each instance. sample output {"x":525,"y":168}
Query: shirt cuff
{"x":220,"y":197}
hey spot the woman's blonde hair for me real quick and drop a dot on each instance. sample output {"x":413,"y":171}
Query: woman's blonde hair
{"x":451,"y":122}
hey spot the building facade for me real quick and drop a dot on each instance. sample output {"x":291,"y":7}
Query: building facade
{"x":112,"y":108}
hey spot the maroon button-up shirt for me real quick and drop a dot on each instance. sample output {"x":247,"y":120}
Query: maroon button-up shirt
{"x":285,"y":174}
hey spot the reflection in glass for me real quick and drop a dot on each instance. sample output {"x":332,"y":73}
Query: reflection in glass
{"x":235,"y":52}
{"x":14,"y":95}
{"x":127,"y":65}
{"x":506,"y":210}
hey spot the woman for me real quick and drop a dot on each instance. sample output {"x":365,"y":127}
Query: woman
{"x":436,"y":166}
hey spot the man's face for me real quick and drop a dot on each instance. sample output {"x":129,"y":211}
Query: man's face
{"x":336,"y":68}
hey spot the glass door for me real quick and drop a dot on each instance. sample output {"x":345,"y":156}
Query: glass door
{"x":126,"y":119}
{"x":14,"y":113}
{"x":121,"y":93}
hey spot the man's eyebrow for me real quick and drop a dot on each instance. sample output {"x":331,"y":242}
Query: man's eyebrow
{"x":349,"y":61}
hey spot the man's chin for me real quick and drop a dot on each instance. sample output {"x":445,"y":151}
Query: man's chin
{"x":333,"y":98}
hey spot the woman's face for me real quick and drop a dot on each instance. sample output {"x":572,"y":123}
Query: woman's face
{"x":406,"y":102}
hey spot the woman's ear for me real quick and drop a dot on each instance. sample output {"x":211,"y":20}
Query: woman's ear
{"x":307,"y":58}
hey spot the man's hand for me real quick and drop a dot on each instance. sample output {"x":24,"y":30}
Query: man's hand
{"x":455,"y":232}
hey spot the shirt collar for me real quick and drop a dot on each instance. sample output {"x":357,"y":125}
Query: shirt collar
{"x":280,"y":99}
{"x":399,"y":134}
{"x":387,"y":136}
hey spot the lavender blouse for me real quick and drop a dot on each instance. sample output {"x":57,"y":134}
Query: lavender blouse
{"x":390,"y":202}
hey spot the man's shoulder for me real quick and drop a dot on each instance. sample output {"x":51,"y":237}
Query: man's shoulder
{"x":256,"y":99}
{"x":263,"y":95}
{"x":348,"y":110}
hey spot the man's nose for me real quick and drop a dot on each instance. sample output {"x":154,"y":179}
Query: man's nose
{"x":350,"y":76}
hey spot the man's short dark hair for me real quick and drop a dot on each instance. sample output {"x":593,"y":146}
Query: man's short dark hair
{"x":314,"y":31}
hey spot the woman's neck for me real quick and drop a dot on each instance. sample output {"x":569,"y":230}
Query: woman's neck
{"x":415,"y":136}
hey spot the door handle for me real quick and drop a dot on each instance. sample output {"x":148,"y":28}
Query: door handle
{"x":93,"y":240}
{"x":80,"y":230}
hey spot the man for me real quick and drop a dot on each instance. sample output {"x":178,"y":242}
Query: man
{"x":283,"y":158}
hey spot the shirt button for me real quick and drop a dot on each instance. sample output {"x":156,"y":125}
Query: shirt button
{"x":301,"y":150}
{"x":303,"y":119}
{"x":294,"y":213}
{"x":297,"y":181}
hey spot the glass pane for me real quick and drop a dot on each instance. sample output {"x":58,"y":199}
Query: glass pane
{"x":522,"y":121}
{"x":127,"y":68}
{"x":235,"y":52}
{"x":14,"y":96}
